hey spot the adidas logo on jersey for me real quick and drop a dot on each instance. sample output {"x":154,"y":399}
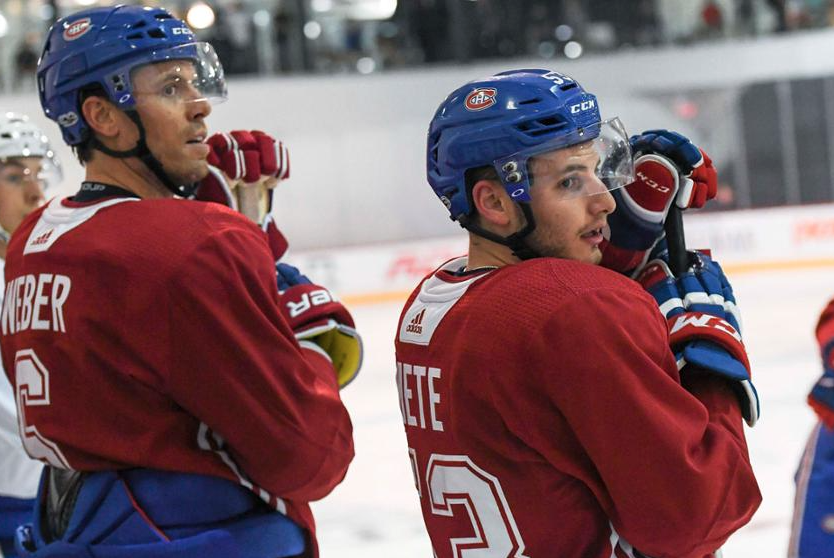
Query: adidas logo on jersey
{"x":415,"y":325}
{"x":43,"y":238}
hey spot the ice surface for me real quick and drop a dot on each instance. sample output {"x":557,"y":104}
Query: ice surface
{"x":374,"y":513}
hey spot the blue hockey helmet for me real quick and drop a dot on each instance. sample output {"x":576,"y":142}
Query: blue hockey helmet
{"x":506,"y":119}
{"x":101,"y":46}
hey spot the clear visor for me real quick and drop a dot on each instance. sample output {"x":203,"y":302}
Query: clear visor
{"x":576,"y":168}
{"x":186,"y":73}
{"x":46,"y":171}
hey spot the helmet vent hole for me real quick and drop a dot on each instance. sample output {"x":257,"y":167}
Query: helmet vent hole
{"x":433,"y":149}
{"x":139,"y":24}
{"x":134,"y":36}
{"x":156,"y":34}
{"x":567,"y":86}
{"x":163,"y":16}
{"x":530,"y":101}
{"x":541,"y":126}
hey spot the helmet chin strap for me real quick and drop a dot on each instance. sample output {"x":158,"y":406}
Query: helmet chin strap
{"x":143,"y":153}
{"x":515,"y":241}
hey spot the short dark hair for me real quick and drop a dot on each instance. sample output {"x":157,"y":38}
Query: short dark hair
{"x":486,"y":172}
{"x":84,"y":150}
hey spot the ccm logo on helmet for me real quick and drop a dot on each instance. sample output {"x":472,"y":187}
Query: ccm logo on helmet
{"x":76,"y":29}
{"x":481,"y":98}
{"x":582,"y":107}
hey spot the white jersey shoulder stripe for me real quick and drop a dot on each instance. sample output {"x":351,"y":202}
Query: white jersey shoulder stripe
{"x":431,"y":305}
{"x":58,"y":219}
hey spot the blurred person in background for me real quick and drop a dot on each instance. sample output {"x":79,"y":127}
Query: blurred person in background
{"x":26,"y":61}
{"x":779,"y":9}
{"x":27,"y":166}
{"x":745,"y":17}
{"x":552,"y":405}
{"x":712,"y":20}
{"x":812,"y":529}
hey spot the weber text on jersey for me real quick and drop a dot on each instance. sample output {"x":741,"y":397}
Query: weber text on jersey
{"x":35,"y":302}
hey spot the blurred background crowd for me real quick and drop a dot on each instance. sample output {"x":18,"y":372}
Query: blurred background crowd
{"x":366,"y":36}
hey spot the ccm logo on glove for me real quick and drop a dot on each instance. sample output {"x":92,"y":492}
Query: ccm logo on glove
{"x":653,"y":184}
{"x":694,"y":320}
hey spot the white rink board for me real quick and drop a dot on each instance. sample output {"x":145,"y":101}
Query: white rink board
{"x":762,"y":236}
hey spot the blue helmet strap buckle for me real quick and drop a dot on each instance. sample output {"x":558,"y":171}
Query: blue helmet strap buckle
{"x":515,"y":242}
{"x":144,"y":154}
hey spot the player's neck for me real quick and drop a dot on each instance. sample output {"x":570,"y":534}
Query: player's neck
{"x":3,"y":247}
{"x":130,"y":174}
{"x":485,"y":253}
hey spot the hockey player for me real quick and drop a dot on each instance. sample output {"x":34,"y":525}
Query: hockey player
{"x":27,"y":166}
{"x":549,"y":408}
{"x":156,"y":366}
{"x":812,"y":532}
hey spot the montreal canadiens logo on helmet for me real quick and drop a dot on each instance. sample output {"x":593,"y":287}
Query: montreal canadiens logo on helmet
{"x":76,"y":29}
{"x":481,"y":98}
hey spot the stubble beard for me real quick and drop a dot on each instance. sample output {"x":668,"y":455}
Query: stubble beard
{"x":550,"y":249}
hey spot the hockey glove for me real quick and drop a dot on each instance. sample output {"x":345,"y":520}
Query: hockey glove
{"x":320,"y":322}
{"x":821,"y":397}
{"x":668,"y":168}
{"x":704,"y":323}
{"x":252,"y":164}
{"x":243,"y":169}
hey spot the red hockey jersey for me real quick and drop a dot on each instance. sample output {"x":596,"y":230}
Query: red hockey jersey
{"x":148,"y":334}
{"x":545,"y":417}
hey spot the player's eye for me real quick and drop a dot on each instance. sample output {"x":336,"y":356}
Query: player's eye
{"x":16,"y":178}
{"x":571,"y":183}
{"x":170,"y":89}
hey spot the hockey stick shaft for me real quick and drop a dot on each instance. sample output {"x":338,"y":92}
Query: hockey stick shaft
{"x":676,"y":241}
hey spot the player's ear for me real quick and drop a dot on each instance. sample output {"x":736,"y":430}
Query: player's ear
{"x":101,"y":115}
{"x":492,"y":202}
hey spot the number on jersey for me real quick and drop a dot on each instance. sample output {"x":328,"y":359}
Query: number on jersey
{"x":457,"y":487}
{"x":31,"y":390}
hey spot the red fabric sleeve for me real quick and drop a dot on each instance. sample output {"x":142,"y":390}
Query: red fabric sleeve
{"x":277,"y":406}
{"x":825,"y":327}
{"x":669,"y":466}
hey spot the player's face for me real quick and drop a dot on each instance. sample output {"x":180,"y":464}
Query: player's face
{"x":173,"y":113}
{"x":570,"y":204}
{"x":21,"y":190}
